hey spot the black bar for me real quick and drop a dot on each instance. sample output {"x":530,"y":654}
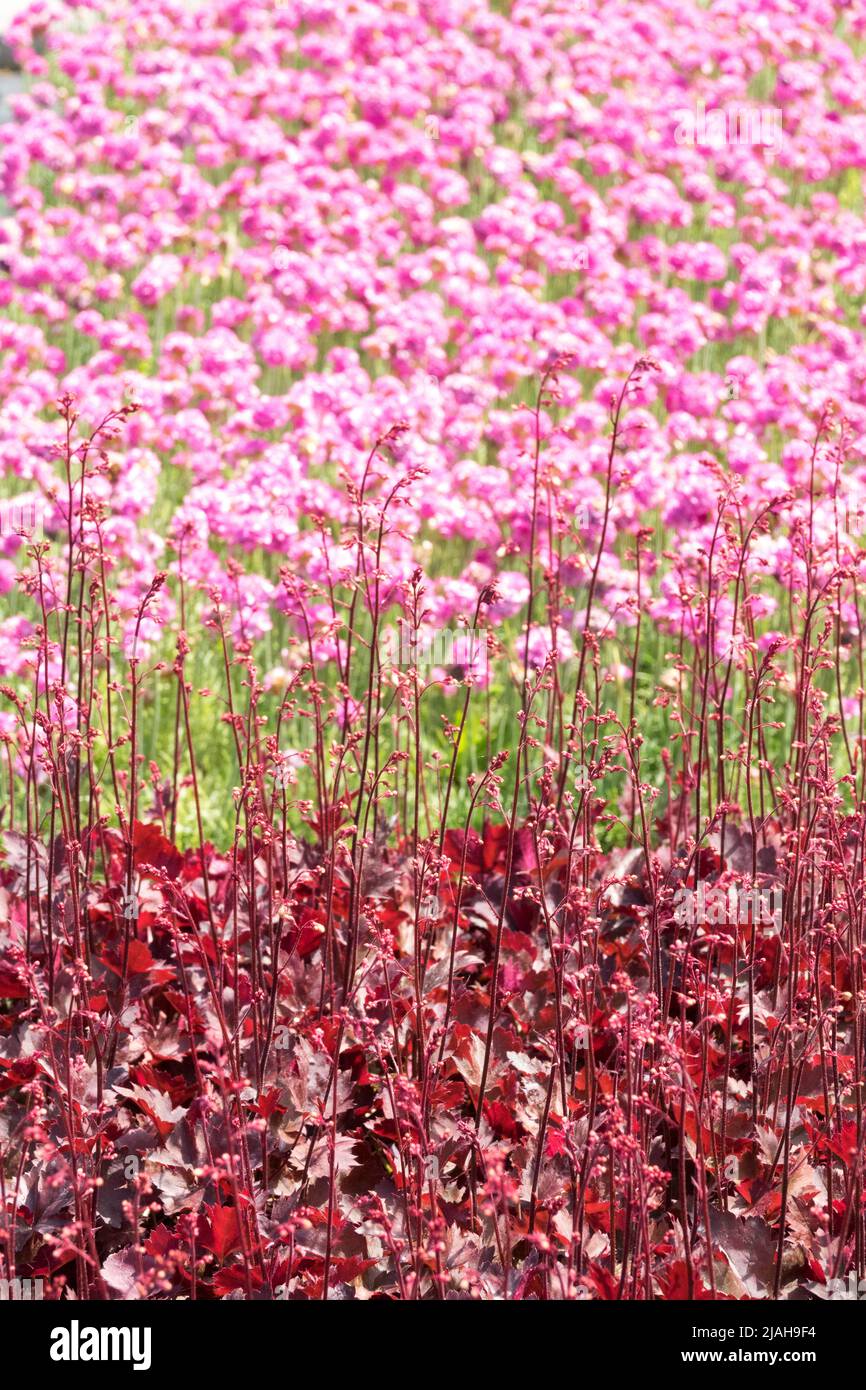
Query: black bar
{"x":181,"y":1337}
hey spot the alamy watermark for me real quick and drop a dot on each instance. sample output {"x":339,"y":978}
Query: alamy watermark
{"x":851,"y":1289}
{"x":461,"y":650}
{"x":729,"y":125}
{"x":21,"y":517}
{"x":708,"y":905}
{"x":21,"y":1290}
{"x":851,"y":519}
{"x":77,"y":1343}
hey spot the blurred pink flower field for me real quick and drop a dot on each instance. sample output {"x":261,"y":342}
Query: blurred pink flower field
{"x":433,"y":713}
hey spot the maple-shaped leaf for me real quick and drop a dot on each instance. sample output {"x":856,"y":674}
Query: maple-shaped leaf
{"x":229,"y":1280}
{"x":351,"y":1268}
{"x":161,"y":1242}
{"x":502,"y":1121}
{"x":19,"y":1072}
{"x":150,"y":848}
{"x":749,"y":1247}
{"x":345,"y":1158}
{"x":120,"y":1272}
{"x":15,"y":857}
{"x":219,"y":1230}
{"x":155,"y":1104}
{"x":138,"y":960}
{"x":600,"y":1282}
{"x":12,"y":983}
{"x":456,"y":841}
{"x":268,"y":1103}
{"x":674,"y":1285}
{"x":469,"y":1053}
{"x":305,"y":936}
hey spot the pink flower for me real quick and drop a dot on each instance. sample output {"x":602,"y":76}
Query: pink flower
{"x":159,"y":277}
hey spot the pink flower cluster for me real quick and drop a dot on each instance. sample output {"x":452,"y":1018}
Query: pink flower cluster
{"x":282,"y":227}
